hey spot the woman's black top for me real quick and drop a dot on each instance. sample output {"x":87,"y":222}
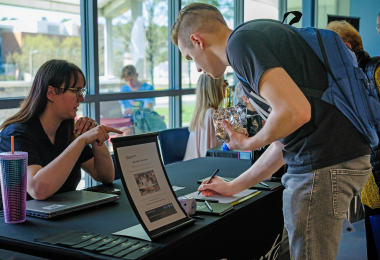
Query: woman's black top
{"x":30,"y":137}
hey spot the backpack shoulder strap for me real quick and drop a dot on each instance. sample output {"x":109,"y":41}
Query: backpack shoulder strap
{"x":323,"y":50}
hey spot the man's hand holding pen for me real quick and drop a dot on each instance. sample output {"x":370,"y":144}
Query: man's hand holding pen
{"x":215,"y":187}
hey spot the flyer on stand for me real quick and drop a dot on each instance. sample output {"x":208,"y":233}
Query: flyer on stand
{"x":147,"y":185}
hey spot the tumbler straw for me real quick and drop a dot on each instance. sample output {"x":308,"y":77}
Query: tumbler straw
{"x":13,"y":144}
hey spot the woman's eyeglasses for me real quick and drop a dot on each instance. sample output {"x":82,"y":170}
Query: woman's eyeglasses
{"x":78,"y":91}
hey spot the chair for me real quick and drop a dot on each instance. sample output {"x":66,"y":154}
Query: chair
{"x":117,"y":175}
{"x":173,"y":143}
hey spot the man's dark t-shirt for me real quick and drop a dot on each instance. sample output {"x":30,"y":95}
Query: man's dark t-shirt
{"x":329,"y":137}
{"x":30,"y":137}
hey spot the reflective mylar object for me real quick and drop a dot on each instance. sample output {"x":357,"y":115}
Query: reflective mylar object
{"x":236,"y":116}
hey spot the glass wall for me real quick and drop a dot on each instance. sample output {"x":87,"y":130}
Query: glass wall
{"x":330,"y":7}
{"x":257,"y":9}
{"x":294,"y":5}
{"x":133,"y":57}
{"x":133,"y":32}
{"x":5,"y":113}
{"x":29,"y":37}
{"x":189,"y":70}
{"x":188,"y":106}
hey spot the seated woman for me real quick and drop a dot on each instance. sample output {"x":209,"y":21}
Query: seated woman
{"x":209,"y":95}
{"x":45,"y":129}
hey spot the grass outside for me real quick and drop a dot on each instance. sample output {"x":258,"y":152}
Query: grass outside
{"x":187,"y":113}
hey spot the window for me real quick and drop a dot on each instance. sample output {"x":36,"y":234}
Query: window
{"x":328,"y":7}
{"x":130,"y":32}
{"x":256,"y":9}
{"x":189,"y":69}
{"x":30,"y":36}
{"x":133,"y":33}
{"x":188,"y":106}
{"x":294,"y":5}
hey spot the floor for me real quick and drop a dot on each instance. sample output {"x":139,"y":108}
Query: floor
{"x":353,"y":245}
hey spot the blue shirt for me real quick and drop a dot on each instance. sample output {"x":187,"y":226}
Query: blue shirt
{"x":143,"y":101}
{"x":30,"y":137}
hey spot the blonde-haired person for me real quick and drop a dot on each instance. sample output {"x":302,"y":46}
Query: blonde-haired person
{"x":202,"y":137}
{"x":371,"y":66}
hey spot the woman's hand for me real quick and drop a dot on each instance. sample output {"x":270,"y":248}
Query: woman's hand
{"x":215,"y":187}
{"x":98,"y":135}
{"x":84,"y":124}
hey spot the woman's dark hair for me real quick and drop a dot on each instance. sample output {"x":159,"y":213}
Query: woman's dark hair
{"x":53,"y":73}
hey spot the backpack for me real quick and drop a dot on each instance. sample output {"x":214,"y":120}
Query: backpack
{"x":146,"y":121}
{"x":349,"y":89}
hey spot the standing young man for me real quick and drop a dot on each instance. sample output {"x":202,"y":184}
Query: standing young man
{"x":328,"y":159}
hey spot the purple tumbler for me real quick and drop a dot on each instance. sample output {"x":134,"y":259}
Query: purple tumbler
{"x":13,"y":185}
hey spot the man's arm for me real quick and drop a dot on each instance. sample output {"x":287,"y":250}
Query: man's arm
{"x":290,"y":110}
{"x":268,"y":163}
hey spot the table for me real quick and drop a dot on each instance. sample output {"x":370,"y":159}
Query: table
{"x":250,"y":231}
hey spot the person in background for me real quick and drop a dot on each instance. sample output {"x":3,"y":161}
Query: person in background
{"x":371,"y":66}
{"x":378,"y":23}
{"x":254,"y":120}
{"x":58,"y":147}
{"x":130,"y":76}
{"x":209,"y":95}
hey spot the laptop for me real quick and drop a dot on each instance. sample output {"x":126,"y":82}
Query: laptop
{"x":67,"y":202}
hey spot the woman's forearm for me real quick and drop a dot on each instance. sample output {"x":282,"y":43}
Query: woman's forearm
{"x":104,"y":168}
{"x":47,"y":180}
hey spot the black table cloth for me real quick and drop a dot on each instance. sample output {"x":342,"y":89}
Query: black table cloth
{"x":250,"y":231}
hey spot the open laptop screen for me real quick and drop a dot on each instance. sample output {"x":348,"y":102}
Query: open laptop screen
{"x":146,"y":183}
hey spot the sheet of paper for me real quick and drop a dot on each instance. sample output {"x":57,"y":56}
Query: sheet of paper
{"x":175,"y":188}
{"x":221,"y":198}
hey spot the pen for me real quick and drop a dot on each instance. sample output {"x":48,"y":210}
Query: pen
{"x":209,"y":200}
{"x":208,"y":205}
{"x":215,"y":173}
{"x":263,"y":183}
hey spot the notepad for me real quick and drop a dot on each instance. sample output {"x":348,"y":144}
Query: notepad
{"x":221,"y":198}
{"x":272,"y":185}
{"x":217,"y":208}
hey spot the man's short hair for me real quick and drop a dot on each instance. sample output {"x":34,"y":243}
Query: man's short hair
{"x":128,"y":71}
{"x":196,"y":17}
{"x":348,"y":34}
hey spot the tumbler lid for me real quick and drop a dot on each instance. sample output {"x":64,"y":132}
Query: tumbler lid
{"x":17,"y":155}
